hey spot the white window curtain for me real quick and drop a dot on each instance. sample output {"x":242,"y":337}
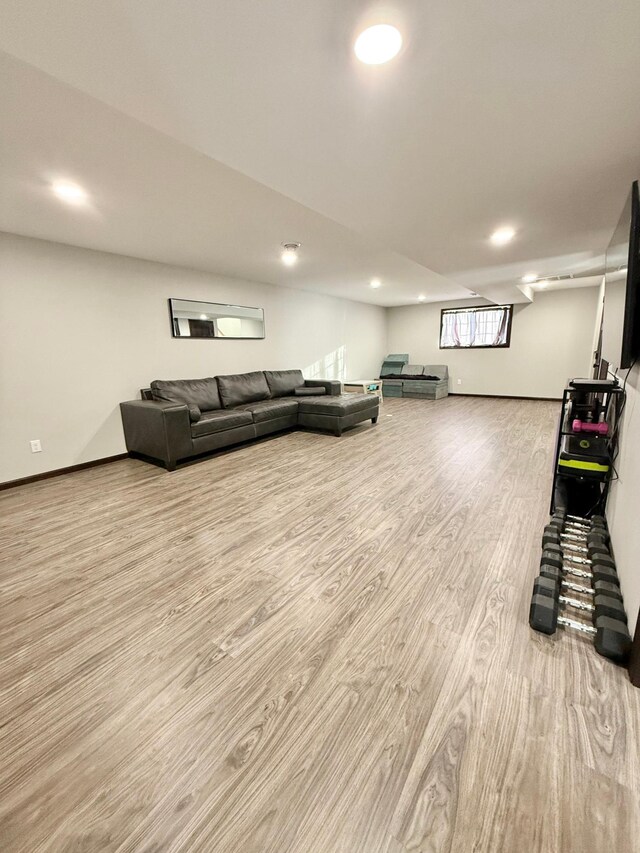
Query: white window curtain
{"x":480,"y":327}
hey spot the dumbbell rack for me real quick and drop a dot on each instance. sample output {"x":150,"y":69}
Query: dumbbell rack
{"x":575,"y":547}
{"x":581,"y":399}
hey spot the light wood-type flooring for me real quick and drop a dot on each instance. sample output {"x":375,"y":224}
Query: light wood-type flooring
{"x":307,"y":645}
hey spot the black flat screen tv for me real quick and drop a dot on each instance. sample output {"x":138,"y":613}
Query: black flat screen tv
{"x":621,"y":317}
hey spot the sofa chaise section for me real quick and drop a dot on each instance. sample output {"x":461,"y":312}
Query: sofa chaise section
{"x":338,"y":413}
{"x":179,"y":419}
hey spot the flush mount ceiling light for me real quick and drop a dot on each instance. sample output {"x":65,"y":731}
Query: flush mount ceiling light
{"x":502,"y":236}
{"x":203,"y":317}
{"x":421,"y":298}
{"x":69,"y":192}
{"x":529,"y":278}
{"x":377,"y":45}
{"x":289,"y":253}
{"x":375,"y":283}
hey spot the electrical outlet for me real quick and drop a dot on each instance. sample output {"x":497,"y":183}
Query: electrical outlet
{"x":36,"y":447}
{"x":459,"y":381}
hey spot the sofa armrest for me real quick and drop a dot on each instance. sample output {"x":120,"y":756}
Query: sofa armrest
{"x":332,"y":386}
{"x":157,"y":429}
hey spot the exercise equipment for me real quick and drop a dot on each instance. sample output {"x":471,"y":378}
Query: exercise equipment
{"x":606,"y":587}
{"x":596,"y":522}
{"x":595,"y":543}
{"x":552,"y":533}
{"x":577,"y":519}
{"x":575,"y":548}
{"x":609,"y":629}
{"x":586,"y":446}
{"x":577,"y":536}
{"x":603,"y":605}
{"x":602,"y":571}
{"x":583,"y":426}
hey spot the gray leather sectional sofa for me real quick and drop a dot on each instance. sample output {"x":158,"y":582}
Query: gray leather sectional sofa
{"x":179,"y":419}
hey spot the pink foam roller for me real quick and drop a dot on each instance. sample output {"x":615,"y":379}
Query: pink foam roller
{"x":581,"y":426}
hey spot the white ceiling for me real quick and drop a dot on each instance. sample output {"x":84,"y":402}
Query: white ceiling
{"x":519,"y":113}
{"x":155,"y":198}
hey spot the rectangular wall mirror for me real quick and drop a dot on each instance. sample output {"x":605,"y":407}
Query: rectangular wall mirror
{"x":192,"y":319}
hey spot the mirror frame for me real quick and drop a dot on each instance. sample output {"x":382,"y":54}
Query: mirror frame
{"x":171,"y":300}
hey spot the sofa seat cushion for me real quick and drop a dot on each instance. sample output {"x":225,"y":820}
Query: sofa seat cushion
{"x":423,"y":386}
{"x":199,"y":394}
{"x":282,"y":383}
{"x":268,"y":410}
{"x":340,"y":406}
{"x":238,"y":388}
{"x":219,"y":421}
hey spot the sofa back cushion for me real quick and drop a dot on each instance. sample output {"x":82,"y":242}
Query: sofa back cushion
{"x":439,"y":370}
{"x":283,"y":383}
{"x":202,"y":393}
{"x":412,"y":370}
{"x":239,"y":388}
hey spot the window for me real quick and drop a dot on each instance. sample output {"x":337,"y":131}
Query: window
{"x":463,"y":328}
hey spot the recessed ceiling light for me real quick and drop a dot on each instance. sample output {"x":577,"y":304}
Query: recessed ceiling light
{"x":71,"y":193}
{"x":375,"y":283}
{"x":290,"y":253}
{"x":421,"y":298}
{"x":503,"y":235}
{"x":377,"y":45}
{"x":542,"y":284}
{"x":529,"y":278}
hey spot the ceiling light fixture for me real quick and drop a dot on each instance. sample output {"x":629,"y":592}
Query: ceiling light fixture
{"x":421,"y":298}
{"x":377,"y":45}
{"x":529,"y":278}
{"x":68,"y":192}
{"x":375,"y":283}
{"x":203,"y":317}
{"x":502,"y":236}
{"x":289,"y":253}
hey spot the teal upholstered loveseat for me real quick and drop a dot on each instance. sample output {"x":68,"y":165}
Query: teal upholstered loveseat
{"x":411,"y":381}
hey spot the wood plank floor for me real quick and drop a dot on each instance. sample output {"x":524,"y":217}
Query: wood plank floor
{"x":307,"y":645}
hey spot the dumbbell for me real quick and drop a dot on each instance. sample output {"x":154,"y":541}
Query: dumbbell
{"x":595,"y":521}
{"x":603,"y":605}
{"x":565,"y":554}
{"x":611,"y":635}
{"x":595,"y":543}
{"x":583,"y":426}
{"x":604,"y":587}
{"x":596,"y":571}
{"x":578,"y":527}
{"x":580,"y":534}
{"x":592,"y":522}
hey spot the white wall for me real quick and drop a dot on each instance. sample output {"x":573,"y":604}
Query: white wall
{"x":551,"y":340}
{"x":83,"y":330}
{"x":624,"y":494}
{"x":624,"y":500}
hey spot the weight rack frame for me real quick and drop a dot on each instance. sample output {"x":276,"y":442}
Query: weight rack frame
{"x":610,"y":401}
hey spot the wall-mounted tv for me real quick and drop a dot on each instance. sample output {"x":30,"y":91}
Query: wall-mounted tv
{"x":621,"y":318}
